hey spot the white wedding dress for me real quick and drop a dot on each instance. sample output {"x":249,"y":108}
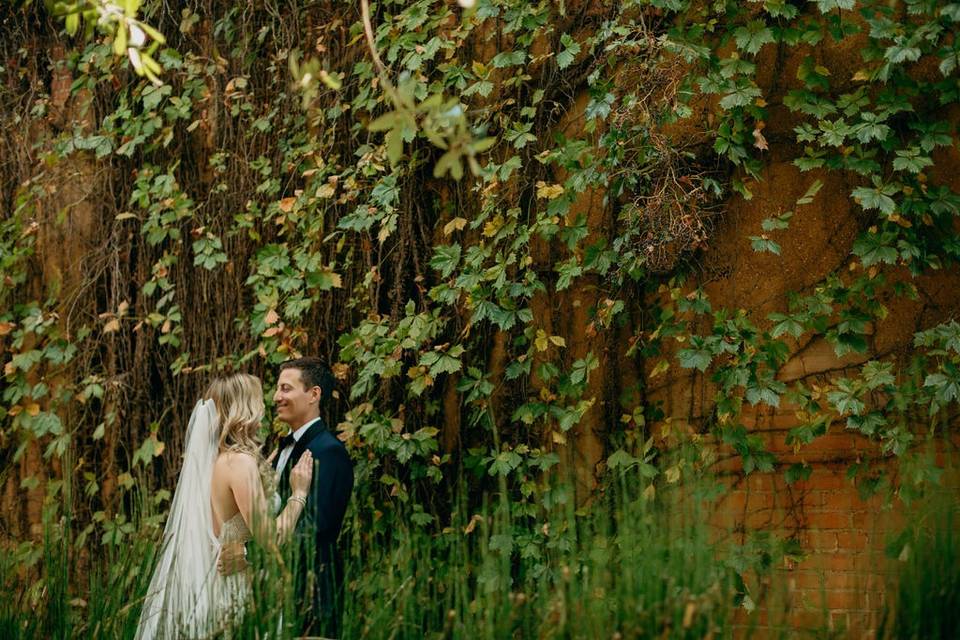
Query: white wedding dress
{"x":187,"y":597}
{"x":230,"y":593}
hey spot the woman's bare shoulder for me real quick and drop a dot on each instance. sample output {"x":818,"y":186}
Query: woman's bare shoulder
{"x":236,"y":461}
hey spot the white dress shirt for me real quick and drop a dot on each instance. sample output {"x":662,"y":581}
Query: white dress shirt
{"x":288,"y":450}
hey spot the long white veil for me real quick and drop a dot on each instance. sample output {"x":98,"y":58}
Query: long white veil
{"x":179,"y":602}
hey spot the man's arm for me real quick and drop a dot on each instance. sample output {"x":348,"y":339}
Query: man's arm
{"x":330,"y":492}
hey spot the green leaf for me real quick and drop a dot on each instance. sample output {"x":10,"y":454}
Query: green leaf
{"x":901,"y":52}
{"x":868,"y":424}
{"x":826,"y":6}
{"x":394,"y":140}
{"x":509,"y":59}
{"x":570,"y":50}
{"x":911,"y":160}
{"x":386,"y":121}
{"x":846,"y":398}
{"x":873,"y":248}
{"x":743,"y":94}
{"x":695,"y":358}
{"x":869,"y":198}
{"x":504,"y":463}
{"x":449,"y":161}
{"x":798,"y":471}
{"x":761,"y":244}
{"x":620,"y":459}
{"x":753,"y":36}
{"x":445,"y":259}
{"x":440,"y":362}
{"x":812,"y":191}
{"x":785,"y":324}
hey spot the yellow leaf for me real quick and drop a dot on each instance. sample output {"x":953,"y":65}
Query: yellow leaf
{"x":473,"y":523}
{"x":113,"y":325}
{"x":271,"y":317}
{"x":286,"y":205}
{"x":490,"y":229}
{"x":660,"y":369}
{"x":541,"y":341}
{"x":326,"y":191}
{"x":33,"y":409}
{"x":673,"y":474}
{"x":558,"y":340}
{"x":649,"y":493}
{"x":558,"y":437}
{"x":549,"y":191}
{"x":6,"y":327}
{"x":822,"y":70}
{"x":862,"y":75}
{"x":125,"y":480}
{"x":454,"y":225}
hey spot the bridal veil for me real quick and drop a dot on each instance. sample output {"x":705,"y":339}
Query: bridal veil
{"x":179,"y":602}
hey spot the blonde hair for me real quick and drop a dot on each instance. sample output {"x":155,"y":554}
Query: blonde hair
{"x":239,"y":401}
{"x":238,"y":398}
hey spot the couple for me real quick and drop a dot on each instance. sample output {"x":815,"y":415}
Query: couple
{"x":223,"y":498}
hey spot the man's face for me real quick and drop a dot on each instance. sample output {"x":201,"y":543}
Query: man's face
{"x":295,"y":404}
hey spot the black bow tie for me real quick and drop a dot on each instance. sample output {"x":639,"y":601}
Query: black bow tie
{"x":286,"y":441}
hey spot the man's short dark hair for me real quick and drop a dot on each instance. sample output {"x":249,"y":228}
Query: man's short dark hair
{"x":314,"y":373}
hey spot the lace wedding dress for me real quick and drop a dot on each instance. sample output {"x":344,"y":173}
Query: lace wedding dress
{"x":230,"y":593}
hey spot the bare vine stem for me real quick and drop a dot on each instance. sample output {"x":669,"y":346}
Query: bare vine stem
{"x":372,"y":45}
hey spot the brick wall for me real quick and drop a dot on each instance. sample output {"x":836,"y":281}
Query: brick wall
{"x":839,"y":585}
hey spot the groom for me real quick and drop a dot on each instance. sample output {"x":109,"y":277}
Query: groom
{"x":304,"y":384}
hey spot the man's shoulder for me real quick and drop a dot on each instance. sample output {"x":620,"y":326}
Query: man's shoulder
{"x":325,"y":441}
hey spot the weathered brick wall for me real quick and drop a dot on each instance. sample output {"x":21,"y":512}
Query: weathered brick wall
{"x":840,"y":582}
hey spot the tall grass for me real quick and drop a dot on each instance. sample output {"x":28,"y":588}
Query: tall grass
{"x":924,"y":601}
{"x":625,"y":566}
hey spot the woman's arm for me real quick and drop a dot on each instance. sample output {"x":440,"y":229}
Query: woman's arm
{"x":247,"y":488}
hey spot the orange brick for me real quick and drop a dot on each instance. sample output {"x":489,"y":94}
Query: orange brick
{"x":822,"y":541}
{"x":841,"y":499}
{"x":838,"y":444}
{"x":856,"y":540}
{"x":807,"y":618}
{"x":830,"y":520}
{"x":845,"y":600}
{"x":761,"y":481}
{"x":839,"y":562}
{"x":734,"y":501}
{"x":816,"y":581}
{"x":828,"y":480}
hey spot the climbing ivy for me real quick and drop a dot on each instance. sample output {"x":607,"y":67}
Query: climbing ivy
{"x":406,"y":196}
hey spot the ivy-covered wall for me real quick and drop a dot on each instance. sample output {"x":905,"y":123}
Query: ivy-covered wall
{"x":532,"y":238}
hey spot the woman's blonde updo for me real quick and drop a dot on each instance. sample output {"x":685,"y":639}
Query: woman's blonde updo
{"x":239,"y":401}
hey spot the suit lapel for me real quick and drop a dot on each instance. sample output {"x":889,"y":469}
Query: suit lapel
{"x":299,"y":447}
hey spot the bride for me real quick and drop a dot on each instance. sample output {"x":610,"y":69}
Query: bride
{"x":219,"y":499}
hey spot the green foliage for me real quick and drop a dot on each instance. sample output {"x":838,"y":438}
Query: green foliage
{"x":322,"y":217}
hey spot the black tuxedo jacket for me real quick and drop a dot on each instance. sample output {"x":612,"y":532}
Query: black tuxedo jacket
{"x":319,"y":525}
